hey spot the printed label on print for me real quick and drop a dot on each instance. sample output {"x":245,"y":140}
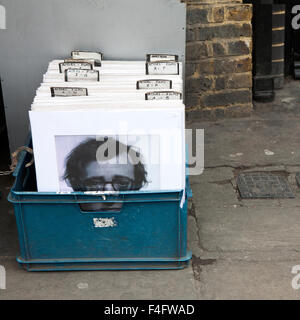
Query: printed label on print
{"x":154,"y":84}
{"x":72,"y":75}
{"x":163,"y":95}
{"x":75,"y":65}
{"x":68,"y":92}
{"x":162,"y":68}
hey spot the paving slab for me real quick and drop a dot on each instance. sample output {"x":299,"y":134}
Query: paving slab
{"x":251,"y":141}
{"x":234,"y":280}
{"x":227,"y":223}
{"x":97,"y":285}
{"x":234,"y":229}
{"x":214,"y":194}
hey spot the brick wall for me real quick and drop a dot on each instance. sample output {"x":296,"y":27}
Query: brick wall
{"x":219,"y":58}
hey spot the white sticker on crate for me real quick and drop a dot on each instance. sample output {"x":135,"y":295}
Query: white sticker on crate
{"x":105,"y":222}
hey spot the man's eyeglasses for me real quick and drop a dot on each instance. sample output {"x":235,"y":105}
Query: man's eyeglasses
{"x":119,"y":183}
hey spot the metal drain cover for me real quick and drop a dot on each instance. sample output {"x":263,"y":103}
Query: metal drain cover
{"x":262,"y":185}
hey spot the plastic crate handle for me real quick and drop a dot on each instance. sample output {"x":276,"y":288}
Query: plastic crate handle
{"x":101,"y":207}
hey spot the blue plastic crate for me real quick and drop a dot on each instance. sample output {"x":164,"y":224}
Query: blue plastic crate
{"x":149,"y":232}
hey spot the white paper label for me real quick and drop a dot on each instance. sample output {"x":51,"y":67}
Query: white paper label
{"x":72,"y":75}
{"x":97,"y":56}
{"x":161,"y":57}
{"x":163,"y":95}
{"x":154,"y":84}
{"x":161,"y":68}
{"x":68,"y":92}
{"x":74,"y":65}
{"x":104,"y":222}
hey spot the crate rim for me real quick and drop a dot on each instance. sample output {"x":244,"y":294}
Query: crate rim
{"x":187,"y":257}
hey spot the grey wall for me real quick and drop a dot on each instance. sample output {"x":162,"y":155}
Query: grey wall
{"x":38,"y":31}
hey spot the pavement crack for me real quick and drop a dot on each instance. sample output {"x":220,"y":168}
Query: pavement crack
{"x":203,"y":262}
{"x":197,"y":264}
{"x":192,"y":212}
{"x":243,"y":167}
{"x":222,"y":182}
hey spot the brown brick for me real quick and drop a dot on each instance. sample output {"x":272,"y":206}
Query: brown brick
{"x":219,"y":49}
{"x":239,"y":81}
{"x":218,"y":14}
{"x":226,"y":98}
{"x":192,"y":100}
{"x":222,"y":66}
{"x":234,"y":81}
{"x":198,"y":84}
{"x":197,"y":15}
{"x":243,"y":65}
{"x":196,"y":51}
{"x":190,"y":35}
{"x":190,"y":69}
{"x":226,"y":31}
{"x":220,"y":83}
{"x":219,"y":113}
{"x":205,"y":67}
{"x":239,"y":13}
{"x":235,"y":111}
{"x":239,"y":47}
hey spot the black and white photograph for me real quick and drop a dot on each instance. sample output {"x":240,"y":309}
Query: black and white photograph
{"x":108,"y":163}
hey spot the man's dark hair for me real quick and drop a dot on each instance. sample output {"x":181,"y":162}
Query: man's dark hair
{"x":85,"y":153}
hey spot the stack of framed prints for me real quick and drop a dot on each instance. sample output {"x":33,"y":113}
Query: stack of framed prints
{"x":109,"y":126}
